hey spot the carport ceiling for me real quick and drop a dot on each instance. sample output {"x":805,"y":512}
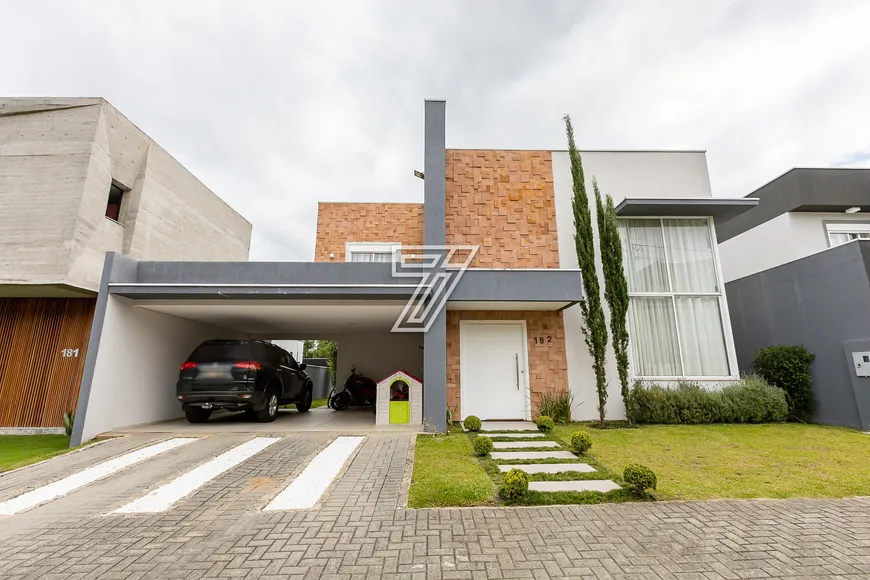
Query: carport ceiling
{"x":295,"y":319}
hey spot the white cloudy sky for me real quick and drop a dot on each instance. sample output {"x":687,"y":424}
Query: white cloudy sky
{"x":278,"y":105}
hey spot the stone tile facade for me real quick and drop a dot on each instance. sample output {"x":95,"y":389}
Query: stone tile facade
{"x":548,"y":364}
{"x":504,"y":202}
{"x":338,"y":223}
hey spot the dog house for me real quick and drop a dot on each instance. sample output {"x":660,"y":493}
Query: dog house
{"x":400,"y":400}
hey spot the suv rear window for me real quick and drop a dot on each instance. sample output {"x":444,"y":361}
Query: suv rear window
{"x":217,"y":352}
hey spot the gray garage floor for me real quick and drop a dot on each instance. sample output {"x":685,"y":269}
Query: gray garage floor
{"x":288,"y":421}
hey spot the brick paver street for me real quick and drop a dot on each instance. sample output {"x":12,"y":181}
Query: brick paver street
{"x":359,"y":532}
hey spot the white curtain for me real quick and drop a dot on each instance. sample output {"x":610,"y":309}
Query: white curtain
{"x":371,"y":257}
{"x":701,"y":336}
{"x":690,"y":248}
{"x":643,"y":249}
{"x":654,"y":337}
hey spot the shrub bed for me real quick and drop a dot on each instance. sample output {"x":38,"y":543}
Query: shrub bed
{"x":750,"y":400}
{"x":788,"y":367}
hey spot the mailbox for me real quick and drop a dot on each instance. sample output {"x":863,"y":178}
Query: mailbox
{"x":400,"y":400}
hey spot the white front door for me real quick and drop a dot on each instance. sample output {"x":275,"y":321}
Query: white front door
{"x":493,"y":380}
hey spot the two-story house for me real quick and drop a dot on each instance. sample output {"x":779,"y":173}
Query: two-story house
{"x":77,"y":180}
{"x":796,"y":273}
{"x":510,"y":329}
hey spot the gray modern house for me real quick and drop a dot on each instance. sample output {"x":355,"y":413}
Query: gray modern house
{"x":509,"y":332}
{"x":797,"y":271}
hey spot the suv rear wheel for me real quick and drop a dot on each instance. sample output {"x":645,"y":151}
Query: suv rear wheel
{"x":197,"y":414}
{"x":304,"y":405}
{"x":268,"y":413}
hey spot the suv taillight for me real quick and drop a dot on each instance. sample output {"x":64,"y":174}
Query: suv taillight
{"x":248,"y":365}
{"x":188,"y":365}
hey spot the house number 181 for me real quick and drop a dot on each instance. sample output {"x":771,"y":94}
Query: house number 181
{"x":69,"y":352}
{"x":543,"y":339}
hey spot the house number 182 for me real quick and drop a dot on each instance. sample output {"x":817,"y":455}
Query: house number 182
{"x":543,"y":339}
{"x":69,"y":352}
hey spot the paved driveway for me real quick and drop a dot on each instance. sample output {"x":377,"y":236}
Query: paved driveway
{"x":357,"y":530}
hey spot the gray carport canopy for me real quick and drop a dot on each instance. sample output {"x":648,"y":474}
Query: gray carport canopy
{"x":153,"y":314}
{"x":326,"y":280}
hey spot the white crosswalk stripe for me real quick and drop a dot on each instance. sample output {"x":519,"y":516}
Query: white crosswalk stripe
{"x":165,"y":496}
{"x":305,"y":491}
{"x":87,"y":476}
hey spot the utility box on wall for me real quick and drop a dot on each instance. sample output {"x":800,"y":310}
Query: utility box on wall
{"x":400,"y":400}
{"x":861,"y":360}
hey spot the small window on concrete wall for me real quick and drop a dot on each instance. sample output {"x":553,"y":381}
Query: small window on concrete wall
{"x":113,"y":206}
{"x":839,"y":234}
{"x":370,"y":251}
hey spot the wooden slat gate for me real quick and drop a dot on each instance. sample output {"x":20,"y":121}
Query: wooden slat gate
{"x":43,"y":342}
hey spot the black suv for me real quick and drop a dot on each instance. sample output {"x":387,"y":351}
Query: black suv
{"x":241,"y":375}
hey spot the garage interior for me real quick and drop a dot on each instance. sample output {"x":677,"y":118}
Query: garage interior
{"x":145,"y":341}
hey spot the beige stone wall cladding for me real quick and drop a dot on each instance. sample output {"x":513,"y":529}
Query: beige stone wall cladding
{"x":548,"y":364}
{"x":338,"y":223}
{"x":503,"y":201}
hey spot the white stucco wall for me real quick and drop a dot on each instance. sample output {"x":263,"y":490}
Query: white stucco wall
{"x":137,"y":366}
{"x":622,"y":174}
{"x":378,"y":354}
{"x":785,"y":238}
{"x":760,"y":248}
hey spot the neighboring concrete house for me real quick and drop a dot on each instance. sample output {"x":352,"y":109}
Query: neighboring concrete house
{"x":77,"y":180}
{"x":796,"y":272}
{"x":511,"y":330}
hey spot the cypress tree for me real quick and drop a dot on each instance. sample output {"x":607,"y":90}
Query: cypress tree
{"x":594,"y":325}
{"x":615,"y":288}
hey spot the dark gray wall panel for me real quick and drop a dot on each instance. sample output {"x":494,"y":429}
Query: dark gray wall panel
{"x":819,"y":301}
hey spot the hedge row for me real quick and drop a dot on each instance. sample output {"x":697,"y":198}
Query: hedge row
{"x":750,"y":400}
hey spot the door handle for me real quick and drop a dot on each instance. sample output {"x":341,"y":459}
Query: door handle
{"x":517,"y":360}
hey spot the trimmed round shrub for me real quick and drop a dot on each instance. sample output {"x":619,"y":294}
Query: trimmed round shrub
{"x":788,"y":367}
{"x":545,"y":423}
{"x":581,"y":442}
{"x":640,"y":477}
{"x":472,"y":423}
{"x":515,"y":486}
{"x":482,"y":445}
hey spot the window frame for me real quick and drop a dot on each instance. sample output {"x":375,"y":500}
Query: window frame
{"x":724,"y":315}
{"x":846,"y":227}
{"x":351,"y":248}
{"x":122,"y":206}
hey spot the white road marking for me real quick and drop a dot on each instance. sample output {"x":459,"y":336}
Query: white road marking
{"x":87,"y":476}
{"x":165,"y":496}
{"x":304,"y":491}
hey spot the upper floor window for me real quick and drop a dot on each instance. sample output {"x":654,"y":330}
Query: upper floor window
{"x":113,"y":207}
{"x":846,"y":232}
{"x":370,"y":251}
{"x":676,"y":303}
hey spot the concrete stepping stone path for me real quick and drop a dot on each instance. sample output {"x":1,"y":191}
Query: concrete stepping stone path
{"x":522,"y":444}
{"x":508,"y":426}
{"x":532,"y":455}
{"x":532,"y":468}
{"x":515,"y":435}
{"x":602,"y":485}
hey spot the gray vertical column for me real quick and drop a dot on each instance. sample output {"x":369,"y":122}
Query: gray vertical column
{"x":434,"y":232}
{"x":116,"y":268}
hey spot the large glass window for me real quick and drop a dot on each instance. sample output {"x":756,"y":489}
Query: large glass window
{"x":675,"y":315}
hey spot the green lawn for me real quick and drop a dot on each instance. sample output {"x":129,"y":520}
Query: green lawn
{"x":446,"y":473}
{"x":20,"y":450}
{"x":318,"y":403}
{"x":739,"y":461}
